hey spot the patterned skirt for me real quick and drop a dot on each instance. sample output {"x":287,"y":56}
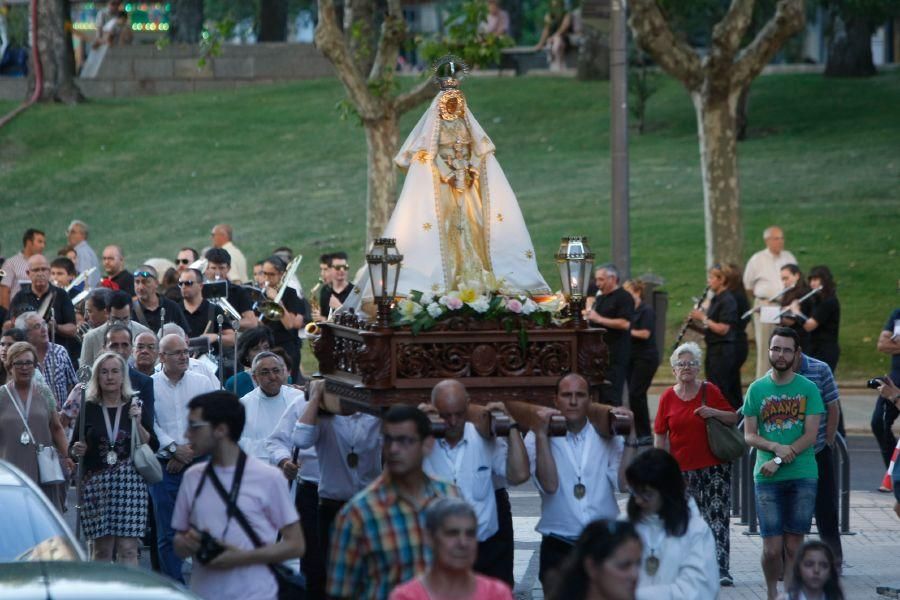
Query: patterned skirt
{"x":115,"y":503}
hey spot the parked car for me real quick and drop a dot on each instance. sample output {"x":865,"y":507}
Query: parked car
{"x":41,"y":559}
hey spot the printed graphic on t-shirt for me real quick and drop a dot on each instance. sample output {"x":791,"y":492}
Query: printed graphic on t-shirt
{"x":783,"y":413}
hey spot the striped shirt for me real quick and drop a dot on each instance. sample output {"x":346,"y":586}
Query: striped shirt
{"x":16,"y":269}
{"x":378,"y":540}
{"x":820,"y":374}
{"x":58,"y":372}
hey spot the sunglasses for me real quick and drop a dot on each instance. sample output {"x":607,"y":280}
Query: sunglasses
{"x":182,"y":261}
{"x":341,"y":267}
{"x":144,"y":274}
{"x":186,"y":283}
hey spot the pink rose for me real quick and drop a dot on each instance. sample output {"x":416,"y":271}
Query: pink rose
{"x":514,"y":306}
{"x":454,"y":303}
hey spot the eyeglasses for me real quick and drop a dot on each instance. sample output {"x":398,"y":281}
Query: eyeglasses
{"x":37,"y":326}
{"x":197,"y":424}
{"x":270,"y":273}
{"x":186,"y":283}
{"x":144,"y":274}
{"x":646,"y":494}
{"x":39,"y":270}
{"x":341,"y":267}
{"x":266,"y":372}
{"x":686,"y":364}
{"x":404,"y":441}
{"x":177,"y":353}
{"x":779,"y":350}
{"x":182,"y":261}
{"x":145,"y":347}
{"x":24,"y":364}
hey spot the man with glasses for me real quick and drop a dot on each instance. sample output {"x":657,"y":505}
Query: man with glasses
{"x":185,"y":257}
{"x":77,"y":236}
{"x":148,"y":307}
{"x":174,"y":386}
{"x":16,"y":266}
{"x":117,"y":278}
{"x":52,"y":359}
{"x":294,"y":316}
{"x":349,"y":451}
{"x":222,"y":238}
{"x":145,"y":353}
{"x":119,"y":312}
{"x":47,"y":300}
{"x":200,"y":315}
{"x":613,"y":309}
{"x":337,"y":287}
{"x":218,"y":268}
{"x":379,"y":539}
{"x":782,"y":411}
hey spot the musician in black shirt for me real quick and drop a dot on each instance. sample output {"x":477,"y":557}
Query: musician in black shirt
{"x":295,"y":315}
{"x":719,"y":331}
{"x":613,"y":310}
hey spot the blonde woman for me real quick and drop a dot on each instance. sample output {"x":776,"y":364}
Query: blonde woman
{"x":114,"y":502}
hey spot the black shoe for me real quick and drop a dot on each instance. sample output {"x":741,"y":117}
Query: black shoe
{"x":725,"y":579}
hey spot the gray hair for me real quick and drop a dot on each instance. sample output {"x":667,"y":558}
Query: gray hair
{"x":22,"y":320}
{"x":263,"y":355}
{"x":770,"y":230}
{"x":611,"y":269}
{"x":443,"y":509}
{"x":92,"y":394}
{"x":172,"y":329}
{"x":79,"y":225}
{"x":686,"y":348}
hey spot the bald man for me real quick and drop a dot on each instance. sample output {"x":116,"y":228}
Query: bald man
{"x":222,"y":235}
{"x":472,"y":463}
{"x":117,"y":278}
{"x":762,"y":278}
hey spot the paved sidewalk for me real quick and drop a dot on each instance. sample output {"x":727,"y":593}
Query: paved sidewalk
{"x":870,"y":554}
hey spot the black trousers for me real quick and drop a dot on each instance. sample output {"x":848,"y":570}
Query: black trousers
{"x":640,"y":376}
{"x":720,"y":369}
{"x":612,"y":394}
{"x":495,"y":554}
{"x":313,"y":562}
{"x":826,"y":502}
{"x":553,"y":552}
{"x":328,"y":510}
{"x":883,"y":418}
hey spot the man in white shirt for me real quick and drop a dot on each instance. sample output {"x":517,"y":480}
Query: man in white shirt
{"x":265,"y":404}
{"x":349,"y":452}
{"x":221,"y":238}
{"x":77,"y":235}
{"x":577,"y":475}
{"x":201,"y":366}
{"x":762,"y":279}
{"x":301,"y":469}
{"x":469,"y":461}
{"x":174,"y":386}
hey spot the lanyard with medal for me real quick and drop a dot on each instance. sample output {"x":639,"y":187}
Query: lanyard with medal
{"x":25,"y":438}
{"x":112,"y":431}
{"x":352,"y":456}
{"x":579,"y":489}
{"x":652,"y":564}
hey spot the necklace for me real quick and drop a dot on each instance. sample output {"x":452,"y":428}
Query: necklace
{"x":651,"y":565}
{"x":25,"y":437}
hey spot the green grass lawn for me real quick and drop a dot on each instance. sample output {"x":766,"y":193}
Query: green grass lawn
{"x":154,"y":174}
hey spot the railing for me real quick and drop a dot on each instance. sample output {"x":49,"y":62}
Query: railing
{"x":743,"y":493}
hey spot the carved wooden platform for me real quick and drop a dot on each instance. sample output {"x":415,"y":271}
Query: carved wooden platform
{"x":373,"y":368}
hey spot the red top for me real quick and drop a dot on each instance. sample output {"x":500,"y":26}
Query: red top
{"x":486,"y":588}
{"x":687,"y":431}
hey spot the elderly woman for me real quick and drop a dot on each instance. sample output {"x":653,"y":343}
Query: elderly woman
{"x":9,"y":337}
{"x":451,"y":527}
{"x":23,"y":400}
{"x":681,"y":422}
{"x":114,"y":500}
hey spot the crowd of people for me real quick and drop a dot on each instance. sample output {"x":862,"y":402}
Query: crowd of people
{"x":199,"y":359}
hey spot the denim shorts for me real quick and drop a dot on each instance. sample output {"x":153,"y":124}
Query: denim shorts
{"x":785,"y":506}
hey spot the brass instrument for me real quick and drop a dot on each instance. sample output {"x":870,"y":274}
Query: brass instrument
{"x":314,"y":295}
{"x":272,"y":310}
{"x":80,"y":277}
{"x":687,"y":321}
{"x":312,"y":330}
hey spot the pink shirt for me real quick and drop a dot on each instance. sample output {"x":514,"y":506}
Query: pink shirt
{"x":264,"y":500}
{"x":486,"y":588}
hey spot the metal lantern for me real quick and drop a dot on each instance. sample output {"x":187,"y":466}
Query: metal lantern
{"x":575,"y":261}
{"x":384,"y":271}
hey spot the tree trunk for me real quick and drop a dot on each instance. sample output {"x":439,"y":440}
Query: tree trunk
{"x":717,"y":126}
{"x":850,"y":49}
{"x":273,"y":20}
{"x":382,"y":138}
{"x":361,"y":33}
{"x":186,"y":21}
{"x":743,"y":118}
{"x":57,"y":55}
{"x":593,"y":56}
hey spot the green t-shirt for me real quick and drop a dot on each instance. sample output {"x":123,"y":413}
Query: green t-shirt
{"x":781,"y":412}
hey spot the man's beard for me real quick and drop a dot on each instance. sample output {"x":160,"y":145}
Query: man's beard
{"x":787,"y":366}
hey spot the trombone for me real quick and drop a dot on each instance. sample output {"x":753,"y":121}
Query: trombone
{"x":272,"y":310}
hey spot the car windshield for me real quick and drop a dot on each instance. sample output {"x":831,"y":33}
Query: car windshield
{"x":29,"y":531}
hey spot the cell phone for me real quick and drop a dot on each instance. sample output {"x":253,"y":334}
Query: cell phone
{"x":875,"y":383}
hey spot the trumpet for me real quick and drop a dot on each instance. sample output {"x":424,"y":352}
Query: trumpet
{"x":272,"y":309}
{"x":312,"y":330}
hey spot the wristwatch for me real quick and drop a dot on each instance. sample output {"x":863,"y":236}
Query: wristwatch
{"x":777,"y":460}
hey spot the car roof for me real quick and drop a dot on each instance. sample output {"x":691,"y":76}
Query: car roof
{"x":85,"y":581}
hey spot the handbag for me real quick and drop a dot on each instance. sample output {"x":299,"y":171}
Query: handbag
{"x":143,"y":457}
{"x":289,"y":586}
{"x":725,"y":441}
{"x":49,"y":467}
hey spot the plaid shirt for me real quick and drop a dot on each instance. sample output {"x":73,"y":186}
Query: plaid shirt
{"x":57,"y":363}
{"x":378,"y":540}
{"x":820,"y":374}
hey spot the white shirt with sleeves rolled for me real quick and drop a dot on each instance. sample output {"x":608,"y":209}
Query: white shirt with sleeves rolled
{"x":280,"y":443}
{"x":171,"y":405}
{"x":763,"y":272}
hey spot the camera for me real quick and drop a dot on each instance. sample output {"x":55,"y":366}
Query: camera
{"x":210,"y":548}
{"x":875,"y":383}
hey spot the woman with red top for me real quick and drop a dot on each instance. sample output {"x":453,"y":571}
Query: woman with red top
{"x":681,"y":422}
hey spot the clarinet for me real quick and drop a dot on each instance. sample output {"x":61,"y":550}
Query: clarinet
{"x":687,"y":321}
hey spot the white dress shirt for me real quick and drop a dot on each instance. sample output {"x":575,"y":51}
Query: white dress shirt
{"x":763,"y":272}
{"x":87,"y":258}
{"x":280,"y":443}
{"x":262,"y":415}
{"x":200,"y":367}
{"x":238,"y":271}
{"x":171,"y":411}
{"x":584,"y":458}
{"x":470,"y":466}
{"x":335,"y":437}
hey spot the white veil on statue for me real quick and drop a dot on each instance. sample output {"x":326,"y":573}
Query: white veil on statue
{"x":419,"y":224}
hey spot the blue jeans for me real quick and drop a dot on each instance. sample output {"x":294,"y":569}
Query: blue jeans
{"x":785,"y":506}
{"x":163,"y":495}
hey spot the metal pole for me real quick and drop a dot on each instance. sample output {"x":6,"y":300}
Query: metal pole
{"x":618,"y":111}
